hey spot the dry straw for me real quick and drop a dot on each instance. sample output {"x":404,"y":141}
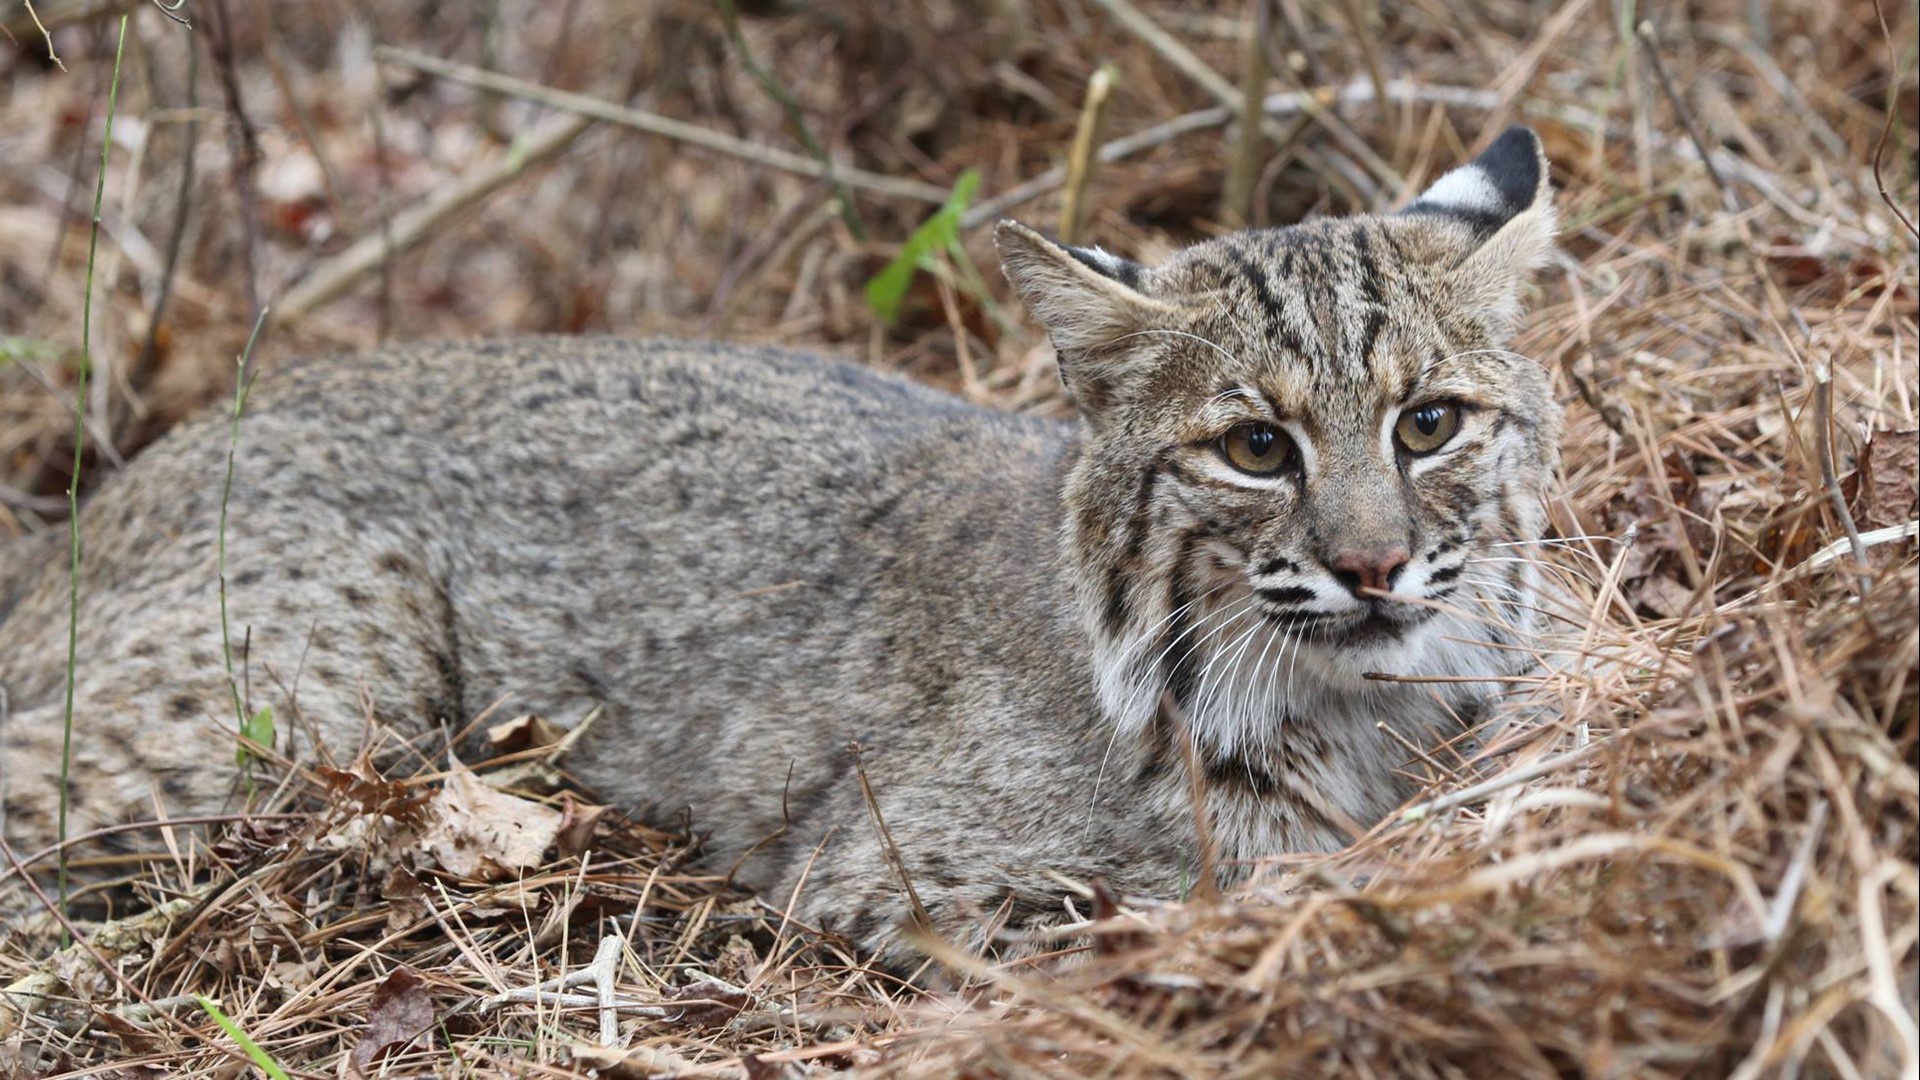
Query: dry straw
{"x":1698,"y":860}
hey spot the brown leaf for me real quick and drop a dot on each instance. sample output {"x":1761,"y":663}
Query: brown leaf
{"x":1889,"y":484}
{"x":709,"y":1004}
{"x":373,"y":793}
{"x":1663,"y":597}
{"x":478,"y":833}
{"x":400,"y":1013}
{"x":527,"y":732}
{"x":577,"y":820}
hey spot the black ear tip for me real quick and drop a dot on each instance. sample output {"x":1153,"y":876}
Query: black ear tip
{"x":1515,"y":164}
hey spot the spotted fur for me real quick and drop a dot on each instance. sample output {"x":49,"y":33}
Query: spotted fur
{"x":748,"y":562}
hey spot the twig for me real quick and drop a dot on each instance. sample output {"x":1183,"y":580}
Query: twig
{"x":1823,"y":441}
{"x":795,"y":118}
{"x":606,"y":968}
{"x":887,"y":846}
{"x":1796,"y":876}
{"x":1651,"y":46}
{"x":1511,"y":778}
{"x":246,"y":145}
{"x":1207,"y":880}
{"x":993,"y":209}
{"x":1845,"y":545}
{"x":654,"y":124}
{"x":182,"y":209}
{"x":1082,"y":160}
{"x":412,"y":225}
{"x":583,"y":1001}
{"x":1236,"y":201}
{"x":73,"y":481}
{"x":1174,"y":52}
{"x":44,"y":33}
{"x":1886,"y":124}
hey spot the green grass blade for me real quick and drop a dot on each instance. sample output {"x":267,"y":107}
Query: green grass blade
{"x":248,"y":1046}
{"x":938,"y":233}
{"x":79,"y":452}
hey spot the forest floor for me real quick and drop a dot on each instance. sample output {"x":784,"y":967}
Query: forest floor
{"x":1709,"y":866}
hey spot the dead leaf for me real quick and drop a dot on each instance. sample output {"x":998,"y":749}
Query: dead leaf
{"x":577,"y":820}
{"x":527,"y":732}
{"x":1889,"y":479}
{"x":374,"y":794}
{"x":481,"y":834}
{"x":406,"y":899}
{"x":400,"y":1013}
{"x":709,"y":1004}
{"x":638,"y":1063}
{"x":1663,"y":597}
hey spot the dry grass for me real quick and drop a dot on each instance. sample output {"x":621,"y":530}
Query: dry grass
{"x":1705,"y":867}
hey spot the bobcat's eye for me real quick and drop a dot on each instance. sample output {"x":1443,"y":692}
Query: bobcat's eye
{"x":1256,"y":449}
{"x":1427,"y":428}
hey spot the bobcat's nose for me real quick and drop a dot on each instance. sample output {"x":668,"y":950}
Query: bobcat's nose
{"x":1369,"y":569}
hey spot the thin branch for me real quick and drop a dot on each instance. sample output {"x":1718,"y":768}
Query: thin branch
{"x":1823,"y":442}
{"x":412,"y":225}
{"x":1082,"y":160}
{"x":1651,"y":46}
{"x":654,"y":124}
{"x":1886,"y":124}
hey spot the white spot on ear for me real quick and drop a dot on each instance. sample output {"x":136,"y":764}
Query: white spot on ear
{"x":1465,"y":188}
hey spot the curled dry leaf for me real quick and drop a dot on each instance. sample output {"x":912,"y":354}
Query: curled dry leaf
{"x":527,"y":732}
{"x":1889,"y":478}
{"x":400,"y":1013}
{"x":709,"y":1004}
{"x":478,"y":833}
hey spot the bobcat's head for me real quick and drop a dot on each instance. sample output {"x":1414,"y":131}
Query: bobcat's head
{"x":1307,"y":456}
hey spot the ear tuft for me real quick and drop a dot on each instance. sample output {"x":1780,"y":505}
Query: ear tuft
{"x":1506,"y":180}
{"x":1505,"y":199}
{"x":1089,"y":301}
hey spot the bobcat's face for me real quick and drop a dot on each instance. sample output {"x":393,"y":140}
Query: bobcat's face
{"x":1307,"y":456}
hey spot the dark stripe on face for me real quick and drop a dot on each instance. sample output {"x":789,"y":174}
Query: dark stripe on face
{"x":1113,"y":615}
{"x":1182,"y":643}
{"x":1277,"y":564}
{"x":1368,"y":268}
{"x":1262,"y":288}
{"x":1441,"y":577}
{"x":1142,"y":508}
{"x":1290,"y":595}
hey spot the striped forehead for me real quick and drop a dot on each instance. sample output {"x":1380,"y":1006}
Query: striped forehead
{"x":1310,"y":309}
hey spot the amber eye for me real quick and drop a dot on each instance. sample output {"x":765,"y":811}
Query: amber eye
{"x":1256,"y":449}
{"x":1427,"y":428}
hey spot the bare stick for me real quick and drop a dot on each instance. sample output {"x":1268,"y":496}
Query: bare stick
{"x":1082,"y":161}
{"x":887,"y":846}
{"x":1886,"y":126}
{"x":606,"y":967}
{"x":1236,"y":202}
{"x":1207,"y":881}
{"x":1135,"y":22}
{"x":412,"y":225}
{"x":654,"y":124}
{"x":1823,"y":440}
{"x":1652,"y":46}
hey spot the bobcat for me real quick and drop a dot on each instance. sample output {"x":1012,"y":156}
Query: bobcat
{"x":1299,"y":455}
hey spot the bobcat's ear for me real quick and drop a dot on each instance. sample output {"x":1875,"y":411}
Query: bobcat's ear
{"x":1089,"y":301}
{"x":1505,"y":200}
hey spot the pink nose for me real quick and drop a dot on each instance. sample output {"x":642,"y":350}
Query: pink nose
{"x":1370,"y":570}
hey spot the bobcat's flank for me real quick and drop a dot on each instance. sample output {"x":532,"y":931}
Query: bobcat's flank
{"x":1302,"y":458}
